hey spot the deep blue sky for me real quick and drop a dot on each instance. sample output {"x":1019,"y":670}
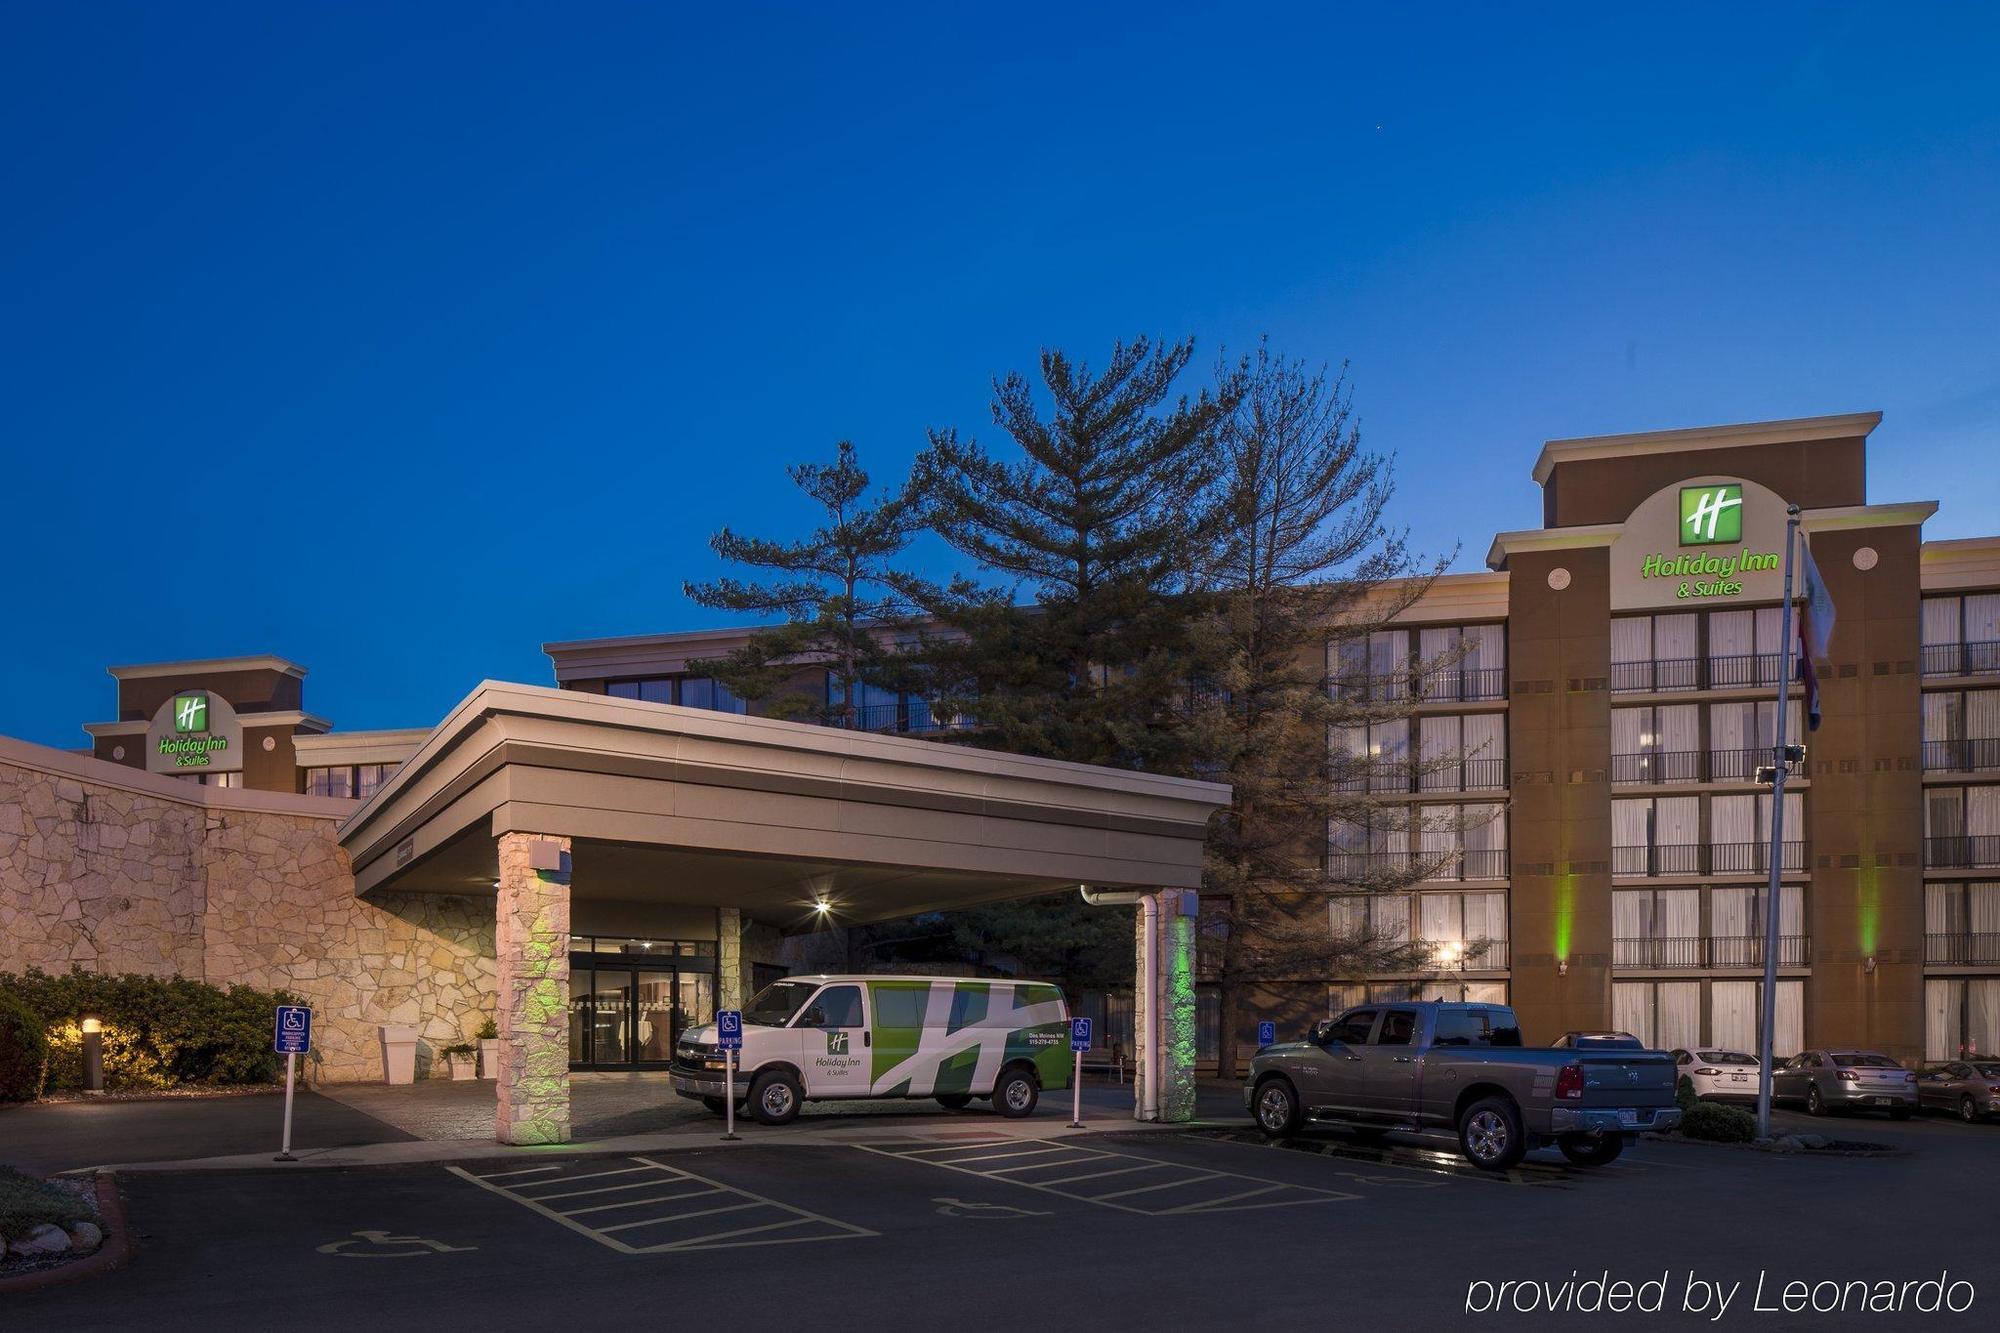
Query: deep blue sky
{"x":398,"y":339}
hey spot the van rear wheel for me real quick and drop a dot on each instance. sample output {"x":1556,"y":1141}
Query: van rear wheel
{"x":715,"y":1105}
{"x":775,"y":1097}
{"x":1015,"y":1095}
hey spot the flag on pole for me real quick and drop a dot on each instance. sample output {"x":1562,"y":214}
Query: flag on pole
{"x":1815,"y":630}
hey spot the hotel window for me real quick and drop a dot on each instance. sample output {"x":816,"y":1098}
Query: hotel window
{"x":1962,"y":924}
{"x":687,"y":691}
{"x":1465,"y":931}
{"x":1372,"y":666}
{"x":348,"y":781}
{"x":213,"y":779}
{"x":1962,"y":635}
{"x":1745,"y":647}
{"x":1656,"y":928}
{"x":1739,"y":834}
{"x":1741,"y":736}
{"x":1462,"y":753}
{"x":1961,"y":731}
{"x":1382,"y":918}
{"x":1461,"y":992}
{"x":1360,"y":849}
{"x":1462,"y":662}
{"x":1961,"y":1017}
{"x":1654,"y":745}
{"x":1656,"y":835}
{"x":1735,"y":1014}
{"x":1961,"y":827}
{"x":1464,"y":841}
{"x":1736,"y":926}
{"x":1652,"y":654}
{"x":1373,"y":756}
{"x":1663,"y":1014}
{"x":654,"y":690}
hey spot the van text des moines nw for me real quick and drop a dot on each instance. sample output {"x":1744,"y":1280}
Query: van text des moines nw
{"x":1719,"y":1297}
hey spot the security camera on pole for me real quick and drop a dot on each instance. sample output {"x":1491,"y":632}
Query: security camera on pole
{"x":1815,"y":630}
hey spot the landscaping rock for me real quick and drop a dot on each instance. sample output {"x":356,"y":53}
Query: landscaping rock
{"x":44,"y":1239}
{"x":1812,"y":1140}
{"x":85,"y":1237}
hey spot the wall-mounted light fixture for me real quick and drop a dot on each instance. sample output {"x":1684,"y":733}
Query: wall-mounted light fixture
{"x":1868,"y":965}
{"x":1562,"y":967}
{"x":93,"y":1050}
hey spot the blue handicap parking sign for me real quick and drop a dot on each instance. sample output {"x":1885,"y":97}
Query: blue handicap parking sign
{"x":1079,"y":1034}
{"x":1267,"y":1033}
{"x":294,"y":1031}
{"x":729,"y":1029}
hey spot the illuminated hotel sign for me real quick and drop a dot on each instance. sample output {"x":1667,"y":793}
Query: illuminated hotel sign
{"x":1707,"y":557}
{"x":194,"y":731}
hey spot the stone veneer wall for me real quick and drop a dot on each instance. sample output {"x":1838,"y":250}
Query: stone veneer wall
{"x":116,"y":871}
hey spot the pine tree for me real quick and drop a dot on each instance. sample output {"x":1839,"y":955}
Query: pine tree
{"x":837,"y":595}
{"x":1306,"y":557}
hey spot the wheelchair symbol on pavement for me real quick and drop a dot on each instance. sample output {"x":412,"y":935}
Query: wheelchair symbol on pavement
{"x":386,"y":1246}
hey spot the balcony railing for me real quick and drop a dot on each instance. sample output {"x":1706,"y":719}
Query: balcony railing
{"x":1722,"y":858}
{"x":1653,"y":767}
{"x":1978,"y":658}
{"x":1673,"y":675}
{"x":912,"y":718}
{"x":1963,"y":948}
{"x":1968,"y":754}
{"x":1702,"y":951}
{"x":1450,"y":864}
{"x":1963,"y":852}
{"x":1395,"y":778}
{"x":1447,"y":685}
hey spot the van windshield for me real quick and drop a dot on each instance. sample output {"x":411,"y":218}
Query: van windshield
{"x":774,"y":1006}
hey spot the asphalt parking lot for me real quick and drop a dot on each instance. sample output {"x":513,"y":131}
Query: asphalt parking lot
{"x":1181,"y":1229}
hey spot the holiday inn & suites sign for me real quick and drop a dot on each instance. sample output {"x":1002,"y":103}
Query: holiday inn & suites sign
{"x":196,"y":731}
{"x":1716,"y":549}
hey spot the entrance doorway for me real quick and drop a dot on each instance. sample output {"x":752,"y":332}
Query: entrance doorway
{"x":630,"y":1000}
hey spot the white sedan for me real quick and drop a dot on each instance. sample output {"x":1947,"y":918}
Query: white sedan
{"x":1719,"y":1075}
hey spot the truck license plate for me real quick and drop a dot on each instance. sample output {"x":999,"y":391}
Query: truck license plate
{"x":1628,"y":1118}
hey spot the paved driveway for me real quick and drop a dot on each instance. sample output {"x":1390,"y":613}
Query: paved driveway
{"x":63,"y":1136}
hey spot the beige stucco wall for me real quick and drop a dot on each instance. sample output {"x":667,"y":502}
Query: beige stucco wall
{"x":116,"y":872}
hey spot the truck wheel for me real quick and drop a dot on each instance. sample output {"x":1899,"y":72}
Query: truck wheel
{"x":1277,"y":1108}
{"x":775,"y":1097}
{"x":1490,"y":1135}
{"x":954,"y":1101}
{"x":1015,"y":1094}
{"x":1584,"y":1150}
{"x":715,"y":1105}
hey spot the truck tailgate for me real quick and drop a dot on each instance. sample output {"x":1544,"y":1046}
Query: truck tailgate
{"x":1627,"y":1078}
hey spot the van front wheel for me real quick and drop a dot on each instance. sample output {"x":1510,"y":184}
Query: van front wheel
{"x":774,"y":1098}
{"x":1015,"y":1094}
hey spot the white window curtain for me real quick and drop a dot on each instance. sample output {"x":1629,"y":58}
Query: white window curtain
{"x":1438,"y":653}
{"x":1632,"y":639}
{"x":1486,"y":915}
{"x":1678,"y":729}
{"x":1943,"y":1019}
{"x":1675,"y":636}
{"x":1731,"y":634}
{"x":1389,"y":751}
{"x":1982,"y":908}
{"x":1347,"y":915}
{"x":1486,"y":647}
{"x":1982,"y":618}
{"x":1438,"y":740}
{"x":1733,"y":1015}
{"x":1982,"y":714}
{"x":1770,"y":644}
{"x":1632,"y":914}
{"x":1678,"y":1023}
{"x":1440,"y":918}
{"x":1730,"y":913}
{"x":1345,"y":996}
{"x":1677,"y":820}
{"x":1677,"y":914}
{"x":1767,"y":724}
{"x":1944,"y":716}
{"x":1982,"y":1016}
{"x":1944,"y":812}
{"x":1944,"y":909}
{"x":1982,"y":811}
{"x":1486,"y":992}
{"x":1440,"y":838}
{"x":1732,"y":819}
{"x":1788,"y":1027}
{"x":1485,"y":747}
{"x":1629,"y":728}
{"x":1389,"y":916}
{"x":1632,"y":1008}
{"x":1940,"y":620}
{"x":1388,"y":662}
{"x":1631,"y":823}
{"x":1730,"y":727}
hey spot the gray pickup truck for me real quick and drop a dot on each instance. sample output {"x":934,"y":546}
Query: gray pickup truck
{"x":1430,"y":1065}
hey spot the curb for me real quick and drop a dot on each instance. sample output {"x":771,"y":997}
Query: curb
{"x":115,"y":1250}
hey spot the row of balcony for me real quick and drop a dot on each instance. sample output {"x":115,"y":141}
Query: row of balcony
{"x":1706,"y":951}
{"x":1391,"y":777}
{"x":1973,"y":851}
{"x":1967,"y":754}
{"x":1963,"y":948}
{"x":1658,"y":766}
{"x":1456,"y":864}
{"x":1736,"y":671}
{"x":910,"y":717}
{"x":1978,"y":658}
{"x":1446,"y":685}
{"x":1715,"y":858}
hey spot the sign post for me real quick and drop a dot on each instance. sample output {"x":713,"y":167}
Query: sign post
{"x":1267,"y":1034}
{"x":291,"y":1038}
{"x":1079,"y":1042}
{"x":729,"y":1036}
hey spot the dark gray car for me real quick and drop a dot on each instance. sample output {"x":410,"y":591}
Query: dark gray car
{"x":1969,"y":1089}
{"x":1824,"y":1081}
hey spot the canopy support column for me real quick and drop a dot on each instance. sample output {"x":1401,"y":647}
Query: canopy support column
{"x":531,"y":947}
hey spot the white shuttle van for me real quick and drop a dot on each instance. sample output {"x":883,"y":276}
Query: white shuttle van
{"x":827,"y":1037}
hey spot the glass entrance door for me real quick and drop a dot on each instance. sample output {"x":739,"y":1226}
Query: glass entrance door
{"x":628,"y":1015}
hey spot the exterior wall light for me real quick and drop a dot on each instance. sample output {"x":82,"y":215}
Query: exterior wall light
{"x":822,"y":907}
{"x":93,"y":1050}
{"x":1562,"y":967}
{"x":1868,"y":965}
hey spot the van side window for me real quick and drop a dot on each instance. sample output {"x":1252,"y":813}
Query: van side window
{"x":968,"y":1005}
{"x":834,"y":1007}
{"x":1027,"y":996}
{"x":900,"y":1005}
{"x":1398,"y":1027}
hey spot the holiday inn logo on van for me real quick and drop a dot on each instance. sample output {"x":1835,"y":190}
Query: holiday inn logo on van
{"x":1711,"y":515}
{"x":836,"y":1043}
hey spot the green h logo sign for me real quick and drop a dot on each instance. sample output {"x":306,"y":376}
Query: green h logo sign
{"x":191,"y":712}
{"x":836,"y":1043}
{"x":1711,"y":514}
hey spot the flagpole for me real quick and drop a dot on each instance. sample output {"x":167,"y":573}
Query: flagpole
{"x":1766,"y":1024}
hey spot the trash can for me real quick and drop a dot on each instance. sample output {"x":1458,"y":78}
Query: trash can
{"x":399,"y":1053}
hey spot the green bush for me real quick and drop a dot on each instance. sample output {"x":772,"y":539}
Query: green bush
{"x":26,"y":1203}
{"x":23,"y":1051}
{"x":1719,"y":1124}
{"x":1684,"y":1094}
{"x":159,"y":1032}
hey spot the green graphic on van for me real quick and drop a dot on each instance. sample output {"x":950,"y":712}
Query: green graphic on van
{"x":1711,"y":514}
{"x":836,"y":1043}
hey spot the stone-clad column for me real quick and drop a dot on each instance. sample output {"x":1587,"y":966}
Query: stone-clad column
{"x":729,"y":958}
{"x":531,"y":947}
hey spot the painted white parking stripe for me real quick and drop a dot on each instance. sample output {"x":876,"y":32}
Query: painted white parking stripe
{"x":1003,"y":1156}
{"x":1058,"y":1164}
{"x":1094,"y":1175}
{"x":525,"y":1171}
{"x":1163,"y":1185}
{"x":1213,"y":1205}
{"x":681,"y":1217}
{"x":740,"y":1204}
